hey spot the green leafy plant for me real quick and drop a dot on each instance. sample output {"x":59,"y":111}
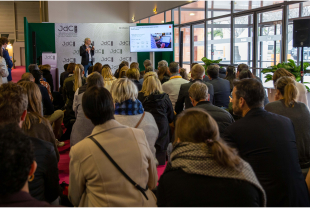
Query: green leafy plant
{"x":208,"y":62}
{"x":289,"y":66}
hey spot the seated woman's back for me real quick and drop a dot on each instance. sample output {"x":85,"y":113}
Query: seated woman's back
{"x":204,"y":171}
{"x":94,"y":180}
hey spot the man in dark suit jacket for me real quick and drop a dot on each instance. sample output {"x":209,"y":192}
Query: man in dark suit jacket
{"x":198,"y":94}
{"x":197,"y":74}
{"x":5,"y":41}
{"x":267,"y":142}
{"x":45,"y":186}
{"x":221,"y":87}
{"x":87,"y":52}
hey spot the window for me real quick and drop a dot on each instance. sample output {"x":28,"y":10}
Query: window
{"x":199,"y":42}
{"x":293,"y":11}
{"x":176,"y":16}
{"x":146,"y":20}
{"x":219,"y":8}
{"x":168,"y":16}
{"x":219,"y":39}
{"x":193,"y":12}
{"x":186,"y":45}
{"x":159,"y":18}
{"x":176,"y":44}
{"x":306,"y":9}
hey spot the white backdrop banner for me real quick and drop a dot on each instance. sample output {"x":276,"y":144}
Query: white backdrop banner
{"x":111,"y":41}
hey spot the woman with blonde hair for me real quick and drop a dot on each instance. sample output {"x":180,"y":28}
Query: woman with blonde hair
{"x":129,"y":110}
{"x":155,"y":101}
{"x":200,"y":157}
{"x":35,"y":125}
{"x":286,"y":104}
{"x":108,"y":78}
{"x":122,"y":73}
{"x":71,"y":85}
{"x":302,"y":91}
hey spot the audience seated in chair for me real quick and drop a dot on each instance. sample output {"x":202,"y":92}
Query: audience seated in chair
{"x":108,"y":78}
{"x":91,"y":185}
{"x":184,"y":74}
{"x":172,"y":87}
{"x":134,"y":75}
{"x":129,"y":110}
{"x":198,"y":93}
{"x":122,"y":73}
{"x":205,"y":171}
{"x":286,"y":104}
{"x":122,"y":64}
{"x":147,"y":63}
{"x":183,"y":101}
{"x":267,"y":142}
{"x":230,"y":76}
{"x":46,"y":70}
{"x":156,"y":102}
{"x":221,"y":87}
{"x":45,"y":185}
{"x":163,"y":73}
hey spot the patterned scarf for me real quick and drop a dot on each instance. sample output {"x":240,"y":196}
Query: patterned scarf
{"x":196,"y":158}
{"x":129,"y":107}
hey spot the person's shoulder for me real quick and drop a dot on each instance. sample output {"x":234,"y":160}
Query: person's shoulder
{"x":273,"y":104}
{"x":41,"y":144}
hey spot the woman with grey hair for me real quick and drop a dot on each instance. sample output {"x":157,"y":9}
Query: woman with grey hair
{"x":129,"y":110}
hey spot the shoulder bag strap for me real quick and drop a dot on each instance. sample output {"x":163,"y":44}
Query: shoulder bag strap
{"x":140,"y":120}
{"x":142,"y":190}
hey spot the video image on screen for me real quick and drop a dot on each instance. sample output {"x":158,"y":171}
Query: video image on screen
{"x":161,"y":40}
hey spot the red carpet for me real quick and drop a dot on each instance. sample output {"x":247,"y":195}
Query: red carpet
{"x":64,"y":160}
{"x":17,"y":73}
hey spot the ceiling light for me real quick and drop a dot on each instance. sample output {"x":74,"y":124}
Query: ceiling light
{"x":191,"y":14}
{"x":163,"y":21}
{"x":155,"y":10}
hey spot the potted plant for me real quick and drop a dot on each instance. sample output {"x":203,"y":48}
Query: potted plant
{"x":208,"y":62}
{"x":289,"y":66}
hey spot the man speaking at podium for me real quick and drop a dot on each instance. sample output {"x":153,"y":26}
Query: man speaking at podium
{"x":87,"y":52}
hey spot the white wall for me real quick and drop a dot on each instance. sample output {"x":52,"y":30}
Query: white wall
{"x":16,"y":51}
{"x":88,"y":11}
{"x":143,"y":9}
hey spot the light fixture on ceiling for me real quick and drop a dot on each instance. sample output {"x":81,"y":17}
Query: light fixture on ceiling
{"x":9,"y":46}
{"x":155,"y":10}
{"x":162,"y":21}
{"x":133,"y":18}
{"x":191,"y":14}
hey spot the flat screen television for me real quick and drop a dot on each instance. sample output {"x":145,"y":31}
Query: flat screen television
{"x":151,"y":38}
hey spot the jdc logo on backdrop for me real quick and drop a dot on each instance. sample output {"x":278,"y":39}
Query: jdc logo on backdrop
{"x":107,"y":43}
{"x":114,"y":67}
{"x":68,"y":43}
{"x":67,"y":31}
{"x":76,"y":52}
{"x":124,"y":43}
{"x":50,"y":57}
{"x":99,"y":51}
{"x":125,"y":59}
{"x":119,"y":51}
{"x":69,"y":60}
{"x":110,"y":59}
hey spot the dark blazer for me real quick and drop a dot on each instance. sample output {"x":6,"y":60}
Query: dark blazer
{"x":49,"y":78}
{"x":48,"y":108}
{"x":221,"y":116}
{"x":63,"y":76}
{"x":221,"y":92}
{"x":21,"y":199}
{"x":45,"y":186}
{"x":165,"y":79}
{"x":85,"y":56}
{"x":138,"y":84}
{"x":184,"y":97}
{"x":179,"y":189}
{"x":8,"y":61}
{"x":267,"y":142}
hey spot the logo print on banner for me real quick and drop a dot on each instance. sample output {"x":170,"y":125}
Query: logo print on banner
{"x":76,"y":52}
{"x":107,"y":43}
{"x":114,"y":67}
{"x":67,"y":31}
{"x":69,"y":60}
{"x":107,"y":59}
{"x":50,"y":57}
{"x":68,"y":43}
{"x":124,"y":43}
{"x":99,"y":51}
{"x":125,"y":59}
{"x":120,"y":51}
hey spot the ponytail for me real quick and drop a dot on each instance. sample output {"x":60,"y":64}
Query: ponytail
{"x":223,"y":154}
{"x":288,"y":89}
{"x":78,"y":77}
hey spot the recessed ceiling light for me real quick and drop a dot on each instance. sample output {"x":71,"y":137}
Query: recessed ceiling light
{"x":191,"y":14}
{"x":163,"y":21}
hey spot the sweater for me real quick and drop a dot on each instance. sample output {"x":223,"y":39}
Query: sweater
{"x":302,"y":93}
{"x":300,"y":116}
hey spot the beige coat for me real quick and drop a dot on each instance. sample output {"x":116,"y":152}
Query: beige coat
{"x":95,"y":182}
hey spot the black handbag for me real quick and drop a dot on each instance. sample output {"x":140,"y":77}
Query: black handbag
{"x":142,"y":190}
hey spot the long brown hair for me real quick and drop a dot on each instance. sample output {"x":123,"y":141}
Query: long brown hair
{"x":78,"y":72}
{"x":34,"y":104}
{"x":197,"y":126}
{"x":123,"y":71}
{"x":106,"y":72}
{"x":1,"y":51}
{"x":162,"y":71}
{"x":288,"y":89}
{"x":281,"y":72}
{"x":98,"y":68}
